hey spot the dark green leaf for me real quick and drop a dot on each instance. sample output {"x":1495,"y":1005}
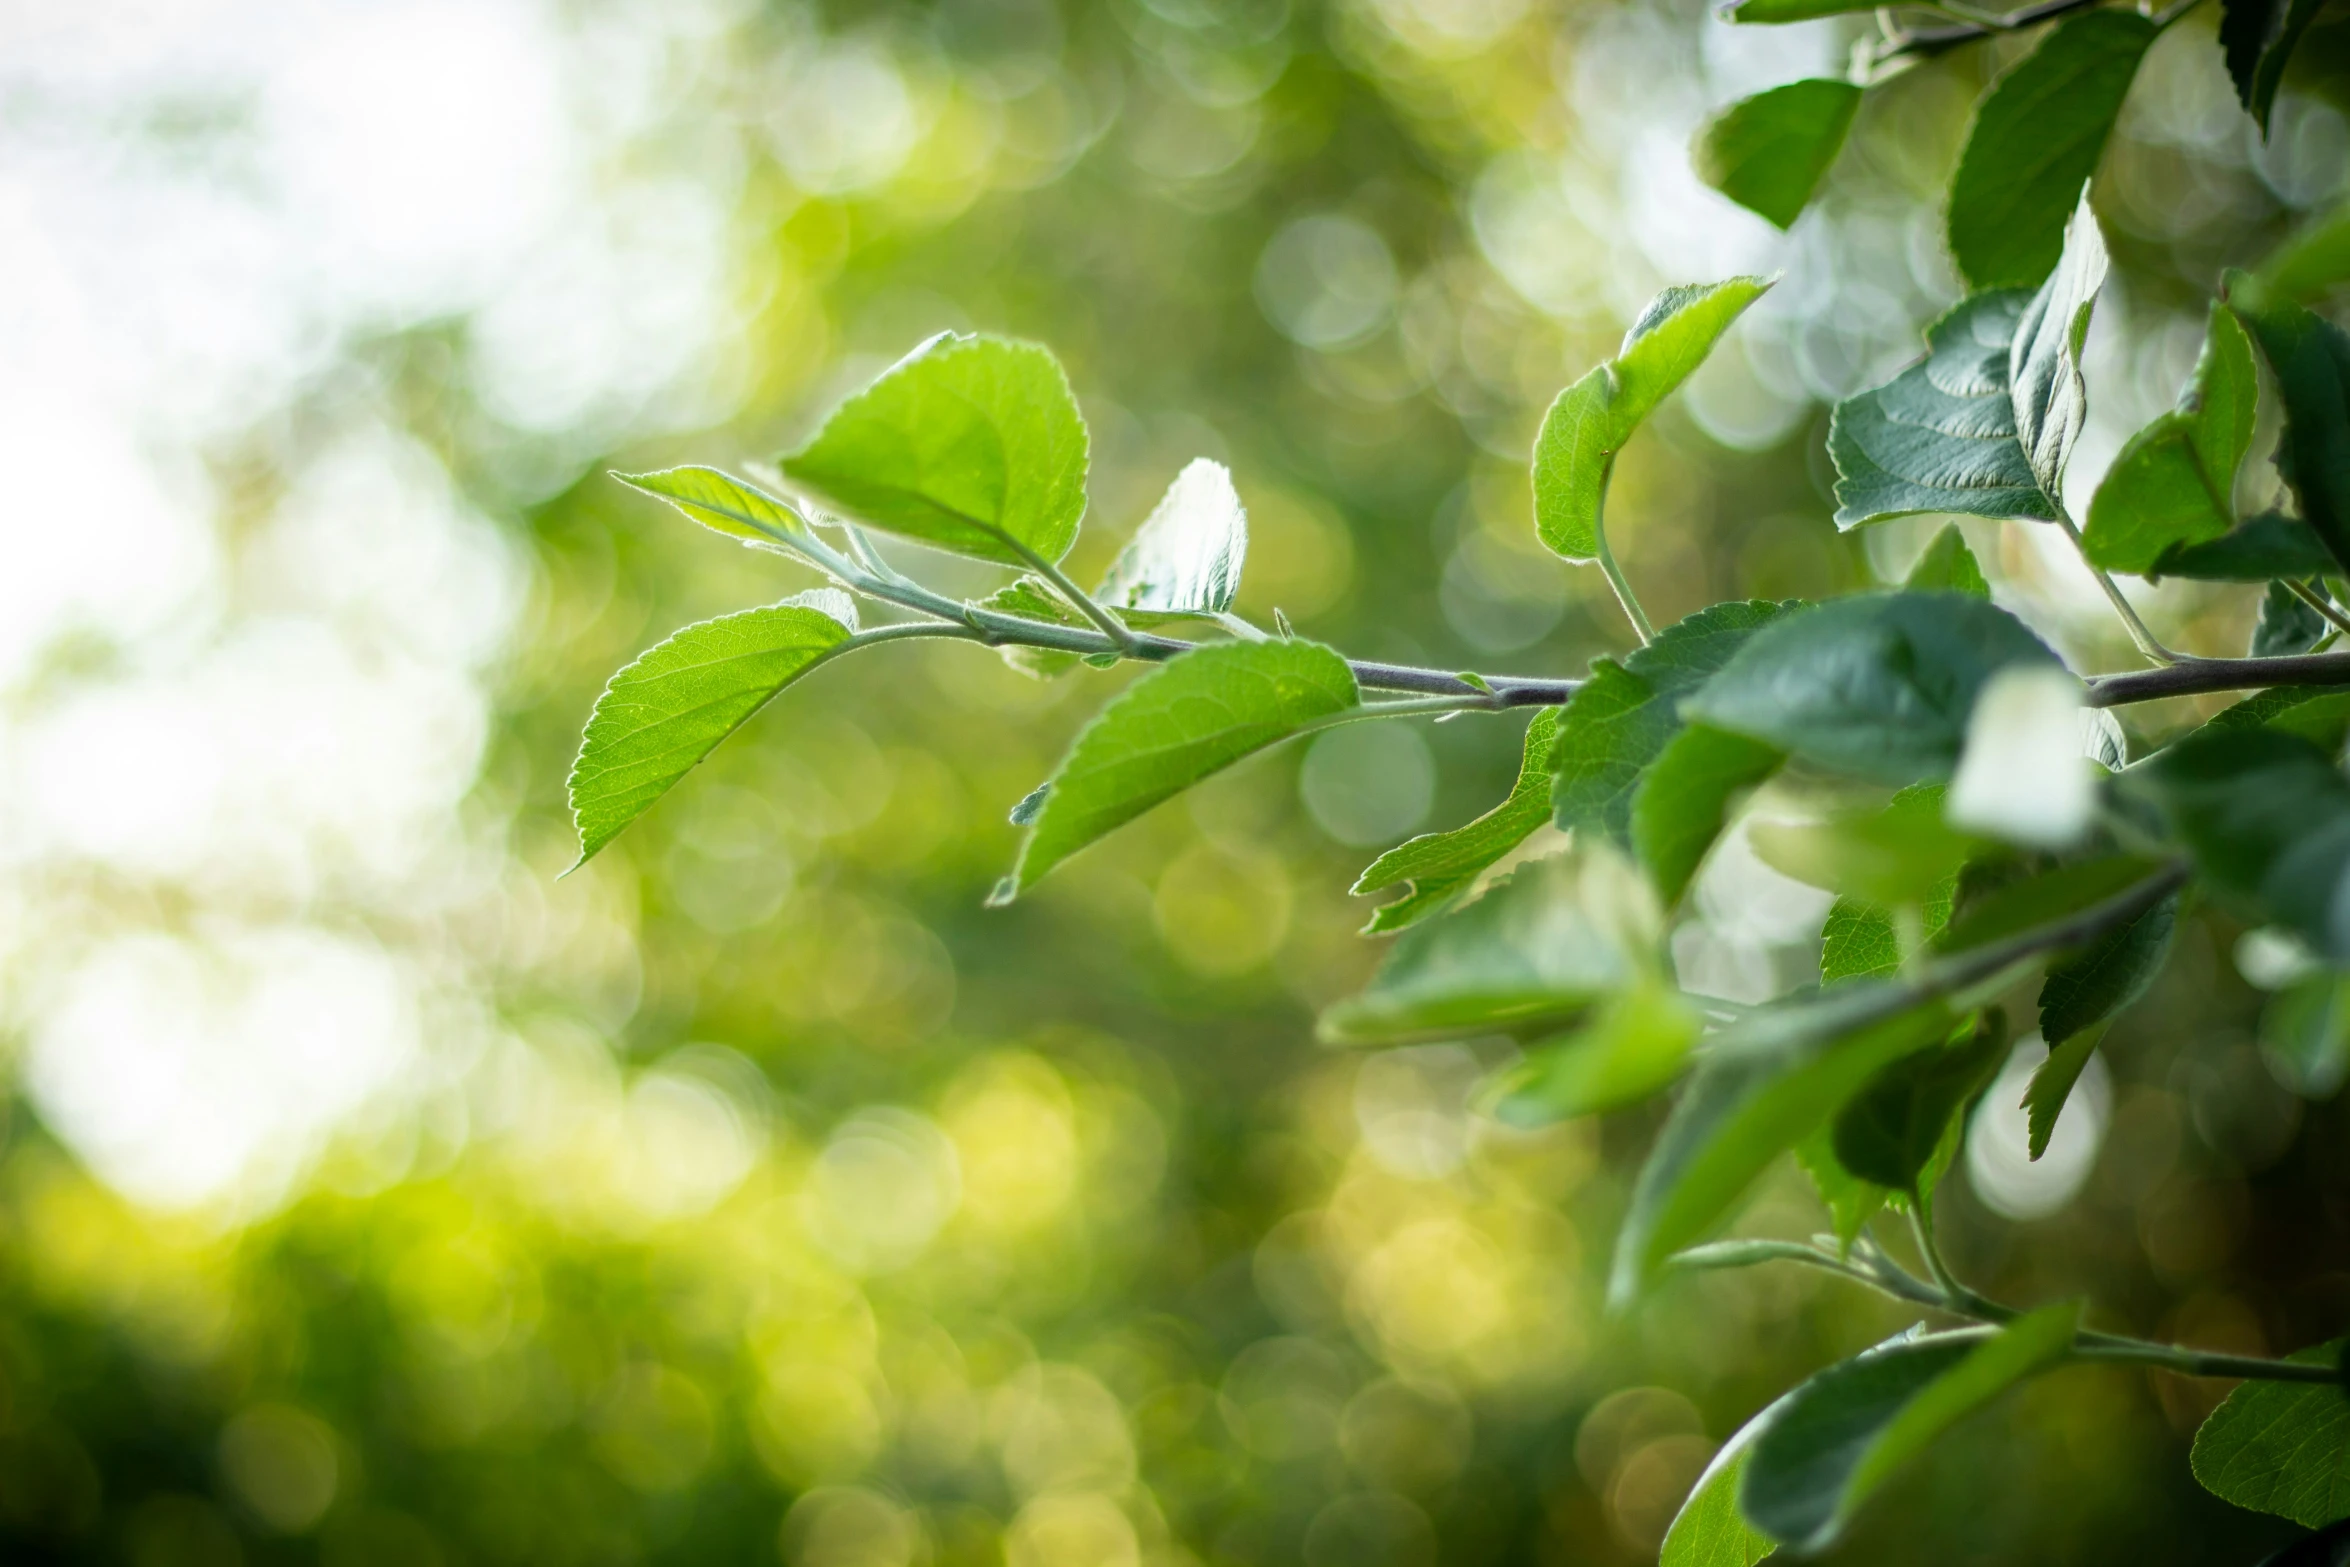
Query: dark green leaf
{"x":670,"y":708}
{"x":1708,"y":1531}
{"x":1851,"y":1202}
{"x":2311,"y":359}
{"x":2049,"y":897}
{"x":1592,"y":419}
{"x":1878,"y":685}
{"x":1441,"y":865}
{"x":2036,"y":140}
{"x":2318,"y":714}
{"x":1844,"y":1432}
{"x":721,"y":502}
{"x":1186,"y":557}
{"x":1535,"y":950}
{"x":2313,"y":262}
{"x":1768,"y":152}
{"x":2258,"y":37}
{"x":1684,"y":800}
{"x":1940,"y":436}
{"x":1197,"y":713}
{"x":1764,"y":1084}
{"x":1888,"y":1132}
{"x":2267,"y":817}
{"x":2171,"y":490}
{"x":2044,"y":364}
{"x":2110,"y":973}
{"x":1633,"y":1047}
{"x":970,"y":444}
{"x":2264,"y":547}
{"x":1623,"y":719}
{"x":2282,"y":1447}
{"x":2305,"y":1030}
{"x":2288,"y":624}
{"x":1948,"y":566}
{"x":2052,"y":1084}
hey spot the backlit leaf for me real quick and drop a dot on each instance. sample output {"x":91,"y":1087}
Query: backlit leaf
{"x":1197,"y":713}
{"x":1708,"y":1531}
{"x":1940,"y":436}
{"x":1438,"y":866}
{"x":1632,"y":1047}
{"x":671,"y":707}
{"x":721,"y":502}
{"x":2172,"y":487}
{"x":1768,"y":152}
{"x":970,"y":444}
{"x":2044,"y":362}
{"x":2282,"y":1447}
{"x":1186,"y":557}
{"x":2036,"y":139}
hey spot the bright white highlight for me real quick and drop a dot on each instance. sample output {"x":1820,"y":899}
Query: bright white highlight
{"x":2022,"y":776}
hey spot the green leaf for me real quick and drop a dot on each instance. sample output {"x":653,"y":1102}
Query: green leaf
{"x":2049,"y":897}
{"x":1940,"y":436}
{"x":2266,"y":816}
{"x":1439,"y":866}
{"x":2267,"y":546}
{"x":1592,"y":419}
{"x":1889,"y":1132}
{"x":1768,"y":152}
{"x":2311,"y":359}
{"x":2288,"y":624}
{"x":1948,"y":566}
{"x":2035,"y":141}
{"x":2044,"y":363}
{"x":1858,"y":942}
{"x":1623,"y":718}
{"x":969,"y":444}
{"x":2095,"y":983}
{"x":1896,"y":855}
{"x":1708,"y":1530}
{"x":1851,"y":1202}
{"x":1763,"y":1085}
{"x":671,"y":707}
{"x":1684,"y":799}
{"x":1843,"y":1433}
{"x":1194,"y":715}
{"x":721,"y":502}
{"x":2052,"y":1084}
{"x":1778,"y":11}
{"x":1877,"y":685}
{"x":1032,"y":598}
{"x":1186,"y":557}
{"x":2305,"y":1033}
{"x":2318,"y":714}
{"x":1632,"y":1048}
{"x":1536,"y":950}
{"x":2171,"y":490}
{"x":2258,"y":38}
{"x":2313,"y":262}
{"x":2282,"y":1447}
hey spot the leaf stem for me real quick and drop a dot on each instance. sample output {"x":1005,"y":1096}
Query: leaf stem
{"x":1615,"y":573}
{"x":2139,"y":634}
{"x":2317,"y":601}
{"x":1079,"y":600}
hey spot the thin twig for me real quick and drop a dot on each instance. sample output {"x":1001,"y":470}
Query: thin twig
{"x":2139,"y":634}
{"x":2317,"y":601}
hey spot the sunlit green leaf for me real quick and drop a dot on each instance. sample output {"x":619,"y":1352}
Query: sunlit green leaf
{"x":721,"y":502}
{"x":2044,"y":363}
{"x":1438,"y":866}
{"x":1948,"y":566}
{"x":2310,"y":357}
{"x":1186,"y":558}
{"x":2288,"y":624}
{"x":1768,"y":152}
{"x":1592,"y":419}
{"x":2282,"y":1447}
{"x":1898,"y":854}
{"x":1763,"y":1085}
{"x":2171,"y":489}
{"x":1708,"y":1531}
{"x":1843,"y":1433}
{"x":1196,"y":714}
{"x":1889,"y":1132}
{"x":1538,"y":948}
{"x":2036,"y":139}
{"x":2267,"y":817}
{"x":1775,"y":11}
{"x":1940,"y":436}
{"x":670,"y":708}
{"x":1878,"y":685}
{"x":1632,"y":1047}
{"x":2258,"y":37}
{"x":1684,"y":800}
{"x":2261,"y":548}
{"x":1624,"y":717}
{"x":970,"y":444}
{"x":2313,"y":262}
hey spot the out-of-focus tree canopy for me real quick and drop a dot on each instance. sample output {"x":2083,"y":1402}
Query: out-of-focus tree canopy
{"x":368,"y":1195}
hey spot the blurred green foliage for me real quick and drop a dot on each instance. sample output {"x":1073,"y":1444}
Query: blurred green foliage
{"x":804,"y":1206}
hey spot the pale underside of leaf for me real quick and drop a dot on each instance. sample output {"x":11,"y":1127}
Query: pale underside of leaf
{"x":2044,"y":360}
{"x":1187,"y":556}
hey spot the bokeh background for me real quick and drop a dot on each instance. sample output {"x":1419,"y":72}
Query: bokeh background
{"x":369,"y":1196}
